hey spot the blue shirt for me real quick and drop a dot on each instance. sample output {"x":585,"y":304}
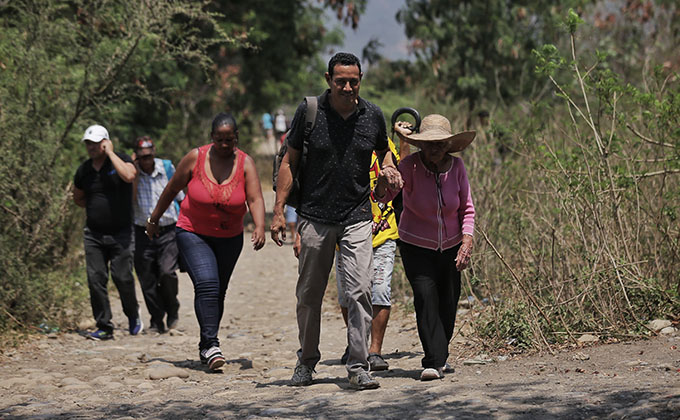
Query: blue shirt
{"x":267,"y":122}
{"x":149,"y":189}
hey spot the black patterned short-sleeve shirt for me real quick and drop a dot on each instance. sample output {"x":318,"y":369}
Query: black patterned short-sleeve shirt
{"x":335,"y":181}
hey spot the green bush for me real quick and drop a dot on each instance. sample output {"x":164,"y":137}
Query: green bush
{"x":511,"y":325}
{"x":63,"y":66}
{"x":575,"y":188}
{"x":582,"y":213}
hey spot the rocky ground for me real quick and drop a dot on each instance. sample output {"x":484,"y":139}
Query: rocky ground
{"x":160,"y":377}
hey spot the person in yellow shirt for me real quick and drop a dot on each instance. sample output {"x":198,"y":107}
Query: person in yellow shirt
{"x":385,"y":235}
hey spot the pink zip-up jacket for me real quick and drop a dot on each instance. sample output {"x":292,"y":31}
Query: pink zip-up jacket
{"x":438,"y":209}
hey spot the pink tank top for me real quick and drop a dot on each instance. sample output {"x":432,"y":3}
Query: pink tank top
{"x":212,"y":209}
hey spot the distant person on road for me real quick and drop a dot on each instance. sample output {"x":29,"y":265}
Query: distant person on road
{"x":268,"y":128}
{"x":156,"y":258}
{"x":334,"y":209}
{"x":435,"y":231}
{"x":222,"y":184}
{"x":291,"y":221}
{"x":103,"y":186}
{"x":385,"y":236}
{"x":280,"y":123}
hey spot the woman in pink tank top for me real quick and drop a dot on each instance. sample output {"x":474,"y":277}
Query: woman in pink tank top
{"x":222,"y":184}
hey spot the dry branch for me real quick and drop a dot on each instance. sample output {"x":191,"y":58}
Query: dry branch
{"x":514,"y":276}
{"x":648,"y":140}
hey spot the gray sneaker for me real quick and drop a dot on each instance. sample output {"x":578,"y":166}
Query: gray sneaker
{"x":302,"y":376}
{"x":376,"y":362}
{"x":363,"y":380}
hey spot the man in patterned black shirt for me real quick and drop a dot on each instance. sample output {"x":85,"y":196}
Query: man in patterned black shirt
{"x":334,"y":210}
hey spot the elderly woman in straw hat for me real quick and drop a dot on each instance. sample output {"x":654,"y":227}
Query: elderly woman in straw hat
{"x":435,"y":229}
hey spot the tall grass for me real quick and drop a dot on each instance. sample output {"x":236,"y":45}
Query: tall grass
{"x":576,"y":226}
{"x":577,"y":199}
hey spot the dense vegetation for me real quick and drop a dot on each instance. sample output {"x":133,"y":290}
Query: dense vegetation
{"x":161,"y":68}
{"x":575,"y":176}
{"x":575,"y":172}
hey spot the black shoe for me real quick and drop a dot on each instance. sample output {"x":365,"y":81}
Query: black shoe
{"x":376,"y":362}
{"x":345,"y":356}
{"x":157,"y":327}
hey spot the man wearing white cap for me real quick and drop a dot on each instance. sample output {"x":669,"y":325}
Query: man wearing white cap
{"x":103,"y":186}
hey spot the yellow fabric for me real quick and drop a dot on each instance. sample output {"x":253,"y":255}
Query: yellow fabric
{"x":384,"y":220}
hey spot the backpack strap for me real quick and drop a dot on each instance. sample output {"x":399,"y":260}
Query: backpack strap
{"x":310,"y":115}
{"x":310,"y":120}
{"x":169,"y":170}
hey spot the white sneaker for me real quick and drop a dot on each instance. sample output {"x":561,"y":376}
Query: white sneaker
{"x":212,"y":357}
{"x":429,"y":374}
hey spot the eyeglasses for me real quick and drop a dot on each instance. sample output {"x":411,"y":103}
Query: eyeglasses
{"x":145,"y":157}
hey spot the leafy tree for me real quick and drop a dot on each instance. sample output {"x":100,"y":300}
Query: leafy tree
{"x":633,"y":34}
{"x":277,"y":62}
{"x":347,"y":11}
{"x":63,"y":66}
{"x":371,"y":53}
{"x":138,"y":67}
{"x":479,"y":50}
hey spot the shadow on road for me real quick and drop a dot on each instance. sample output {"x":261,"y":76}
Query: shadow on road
{"x":401,"y":404}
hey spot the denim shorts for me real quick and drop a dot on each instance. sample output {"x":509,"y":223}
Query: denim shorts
{"x":291,"y":215}
{"x":383,"y":265}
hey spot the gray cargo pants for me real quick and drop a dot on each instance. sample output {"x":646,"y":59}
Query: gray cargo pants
{"x":317,"y":251}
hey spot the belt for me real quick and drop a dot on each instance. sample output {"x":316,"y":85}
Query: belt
{"x":161,"y":229}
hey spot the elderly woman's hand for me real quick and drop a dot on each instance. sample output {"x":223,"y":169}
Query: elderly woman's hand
{"x":391,"y":176}
{"x":464,"y":252}
{"x":403,"y":128}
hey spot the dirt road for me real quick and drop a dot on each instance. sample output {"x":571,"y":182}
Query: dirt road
{"x":160,"y":377}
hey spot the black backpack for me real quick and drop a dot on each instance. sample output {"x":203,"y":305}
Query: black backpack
{"x":310,"y":119}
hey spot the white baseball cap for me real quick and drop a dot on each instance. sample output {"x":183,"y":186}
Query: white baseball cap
{"x":95,"y":133}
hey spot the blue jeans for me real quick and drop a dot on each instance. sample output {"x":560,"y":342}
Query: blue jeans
{"x":209,"y":262}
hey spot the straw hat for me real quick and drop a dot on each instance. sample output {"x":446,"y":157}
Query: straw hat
{"x":435,"y":127}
